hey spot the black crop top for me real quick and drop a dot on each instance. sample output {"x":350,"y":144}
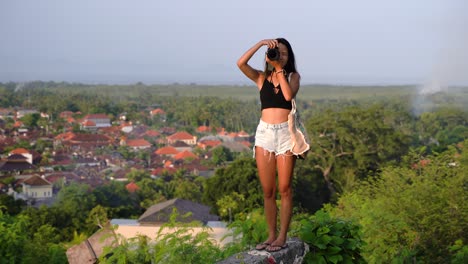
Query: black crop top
{"x":270,"y":99}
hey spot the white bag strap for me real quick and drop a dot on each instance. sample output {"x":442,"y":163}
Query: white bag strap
{"x":293,"y":101}
{"x":293,"y":109}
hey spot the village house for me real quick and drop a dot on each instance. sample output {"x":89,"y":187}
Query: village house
{"x":136,"y":144}
{"x":95,"y":121}
{"x":204,"y":129}
{"x":168,"y":151}
{"x":22,"y":112}
{"x":151,"y":133}
{"x":158,"y":112}
{"x":182,"y":136}
{"x":23,"y":152}
{"x":126,"y":127}
{"x":151,"y":225}
{"x":36,"y":187}
{"x":207,"y":144}
{"x":6,"y":113}
{"x":81,"y":140}
{"x":195,"y":168}
{"x":15,"y":164}
{"x":181,"y":146}
{"x":87,"y":162}
{"x":160,"y":213}
{"x":66,"y":114}
{"x":184,"y":155}
{"x":61,"y":178}
{"x":167,"y":130}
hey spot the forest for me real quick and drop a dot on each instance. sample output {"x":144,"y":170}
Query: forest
{"x":385,"y":180}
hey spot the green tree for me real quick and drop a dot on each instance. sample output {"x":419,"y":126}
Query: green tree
{"x":221,"y":155}
{"x":36,"y":250}
{"x":137,"y":175}
{"x":356,"y":139}
{"x":30,"y":120}
{"x":117,"y":201}
{"x":97,"y":218}
{"x":309,"y":187}
{"x":229,"y":204}
{"x":10,"y":205}
{"x":441,"y":127}
{"x":13,"y":236}
{"x":151,"y":192}
{"x":412,"y":214}
{"x":241,"y":177}
{"x":76,"y":200}
{"x":188,"y":190}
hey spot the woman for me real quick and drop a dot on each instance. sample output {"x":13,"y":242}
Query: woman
{"x":278,"y":84}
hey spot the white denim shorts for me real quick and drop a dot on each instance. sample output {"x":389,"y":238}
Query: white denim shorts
{"x":273,"y":137}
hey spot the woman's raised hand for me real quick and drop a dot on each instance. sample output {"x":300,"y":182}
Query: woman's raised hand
{"x":271,"y":43}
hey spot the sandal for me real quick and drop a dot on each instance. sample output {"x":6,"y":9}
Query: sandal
{"x":262,"y":246}
{"x":275,"y":248}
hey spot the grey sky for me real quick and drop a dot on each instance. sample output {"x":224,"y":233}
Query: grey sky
{"x":117,"y":41}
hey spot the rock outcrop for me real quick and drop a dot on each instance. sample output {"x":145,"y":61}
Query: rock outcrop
{"x":293,"y":254}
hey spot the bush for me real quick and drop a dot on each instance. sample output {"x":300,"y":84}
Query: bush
{"x":331,"y":240}
{"x":412,"y":214}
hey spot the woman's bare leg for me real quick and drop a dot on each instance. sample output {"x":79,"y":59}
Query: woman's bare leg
{"x":266,"y":165}
{"x":285,"y":164}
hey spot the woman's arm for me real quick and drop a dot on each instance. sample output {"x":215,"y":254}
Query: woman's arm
{"x":242,"y":63}
{"x":290,"y":88}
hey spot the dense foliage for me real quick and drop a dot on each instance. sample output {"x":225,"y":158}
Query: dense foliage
{"x":331,"y":240}
{"x":385,"y":161}
{"x":412,"y":212}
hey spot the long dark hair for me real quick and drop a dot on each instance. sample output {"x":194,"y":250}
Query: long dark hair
{"x":290,"y":66}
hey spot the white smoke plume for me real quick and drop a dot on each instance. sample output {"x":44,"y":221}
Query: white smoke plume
{"x":450,"y":71}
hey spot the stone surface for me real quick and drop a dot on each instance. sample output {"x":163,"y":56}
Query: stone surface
{"x":293,"y":254}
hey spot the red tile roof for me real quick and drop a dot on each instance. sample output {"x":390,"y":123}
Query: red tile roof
{"x":18,"y":124}
{"x":138,"y":143}
{"x":132,"y":187}
{"x":166,"y":151}
{"x":203,"y":129}
{"x":160,"y":171}
{"x":65,"y":136}
{"x":209,"y":143}
{"x":36,"y":180}
{"x":19,"y":151}
{"x":89,"y":123}
{"x":157,"y":111}
{"x":180,"y":136}
{"x":184,"y":155}
{"x":90,"y":138}
{"x":168,"y":164}
{"x":152,"y":133}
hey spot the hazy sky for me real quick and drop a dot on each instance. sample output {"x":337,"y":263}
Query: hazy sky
{"x":155,"y":41}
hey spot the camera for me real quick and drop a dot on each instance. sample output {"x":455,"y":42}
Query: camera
{"x":273,"y":54}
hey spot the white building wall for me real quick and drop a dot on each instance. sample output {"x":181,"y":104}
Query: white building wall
{"x":38,"y":192}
